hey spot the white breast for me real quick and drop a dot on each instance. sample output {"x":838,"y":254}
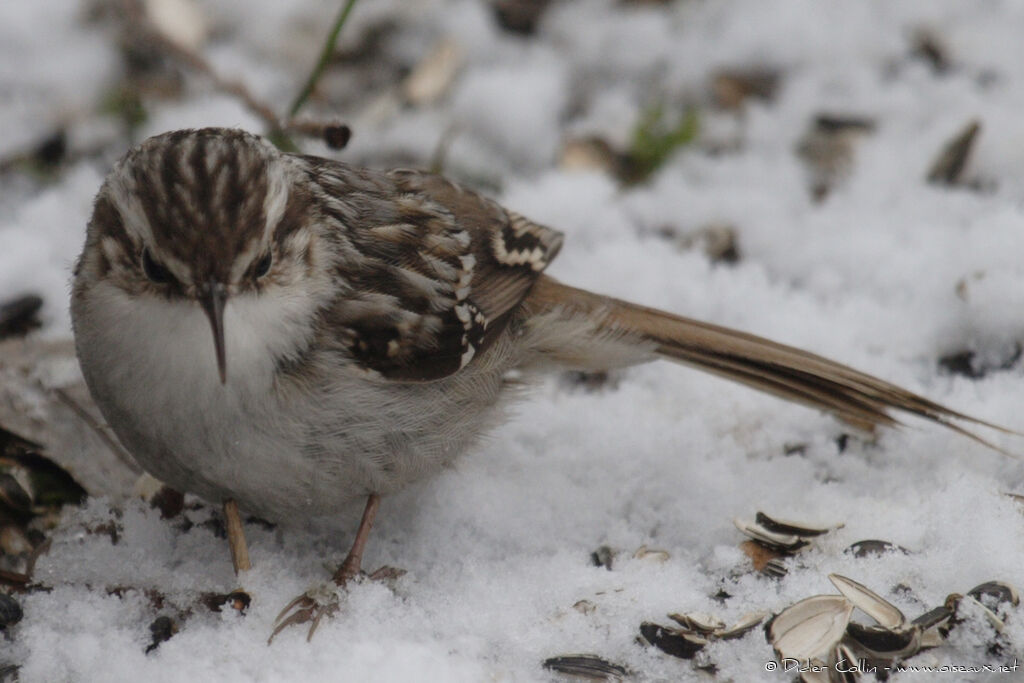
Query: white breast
{"x":151,"y":367}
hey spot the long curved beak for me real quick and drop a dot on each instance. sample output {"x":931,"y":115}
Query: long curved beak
{"x":212,"y":297}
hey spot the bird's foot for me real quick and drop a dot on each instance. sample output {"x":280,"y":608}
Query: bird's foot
{"x":324,"y":600}
{"x":312,"y":606}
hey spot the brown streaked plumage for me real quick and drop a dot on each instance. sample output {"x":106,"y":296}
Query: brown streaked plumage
{"x":363,"y":326}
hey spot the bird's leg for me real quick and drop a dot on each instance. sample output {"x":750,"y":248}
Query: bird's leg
{"x":313,"y":606}
{"x":352,"y":565}
{"x":238,"y":598}
{"x":236,"y":537}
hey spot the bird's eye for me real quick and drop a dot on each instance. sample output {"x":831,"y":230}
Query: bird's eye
{"x":263,"y":265}
{"x":153,"y":270}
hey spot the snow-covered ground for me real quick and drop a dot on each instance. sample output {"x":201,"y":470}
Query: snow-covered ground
{"x":888,"y":273}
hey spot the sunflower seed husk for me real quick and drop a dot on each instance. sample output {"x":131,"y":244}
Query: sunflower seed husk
{"x":675,"y":642}
{"x":884,"y":643}
{"x":810,"y":628}
{"x":588,"y":666}
{"x":730,"y":87}
{"x":783,"y":526}
{"x":180,"y":21}
{"x":997,"y":591}
{"x":775,"y":568}
{"x":934,"y":625}
{"x":951,"y":161}
{"x":871,"y":547}
{"x":645,"y":553}
{"x":933,"y":618}
{"x":841,"y":123}
{"x":932,"y":48}
{"x":992,"y":617}
{"x":871,"y":603}
{"x":827,"y":149}
{"x":433,"y":77}
{"x":777,"y":541}
{"x":584,"y":607}
{"x":589,"y":154}
{"x":843,"y":665}
{"x":746,"y":623}
{"x":698,"y":621}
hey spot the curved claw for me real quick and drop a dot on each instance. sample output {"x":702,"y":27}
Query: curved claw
{"x":306,"y":608}
{"x":323,"y":601}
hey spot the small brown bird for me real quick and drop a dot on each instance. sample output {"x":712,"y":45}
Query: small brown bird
{"x":363,"y":323}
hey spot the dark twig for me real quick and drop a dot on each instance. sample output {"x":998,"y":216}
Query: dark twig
{"x":334,"y":133}
{"x":198,"y":63}
{"x":325,"y":56}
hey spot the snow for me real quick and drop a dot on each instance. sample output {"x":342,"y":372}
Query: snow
{"x":497,"y":549}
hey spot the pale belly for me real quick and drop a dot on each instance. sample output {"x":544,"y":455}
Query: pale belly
{"x":285,"y":448}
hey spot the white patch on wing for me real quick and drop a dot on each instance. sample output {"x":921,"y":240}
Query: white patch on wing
{"x":536,"y":258}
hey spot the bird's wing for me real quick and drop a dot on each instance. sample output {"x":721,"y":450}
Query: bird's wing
{"x":441,"y":269}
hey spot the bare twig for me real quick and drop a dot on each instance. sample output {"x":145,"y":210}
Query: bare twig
{"x":334,"y":133}
{"x":325,"y":56}
{"x":196,"y":62}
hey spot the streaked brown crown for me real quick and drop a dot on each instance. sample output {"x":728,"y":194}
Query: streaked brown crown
{"x":204,"y":195}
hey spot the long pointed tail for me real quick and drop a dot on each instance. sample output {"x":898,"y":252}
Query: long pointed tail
{"x":785,"y":371}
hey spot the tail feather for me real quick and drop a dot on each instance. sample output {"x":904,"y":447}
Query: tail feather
{"x":787,"y":372}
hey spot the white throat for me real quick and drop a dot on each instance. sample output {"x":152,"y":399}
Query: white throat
{"x":168,"y":343}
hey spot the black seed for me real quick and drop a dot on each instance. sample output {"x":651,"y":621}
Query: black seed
{"x":52,"y":150}
{"x":671,"y":641}
{"x":337,"y":136}
{"x":10,"y":611}
{"x":880,"y":640}
{"x":603,"y":557}
{"x":874,"y":547}
{"x":19,"y":316}
{"x":586,"y":666}
{"x":162,"y":629}
{"x":933,"y":617}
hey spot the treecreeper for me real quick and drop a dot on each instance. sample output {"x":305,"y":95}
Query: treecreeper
{"x":283,"y":333}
